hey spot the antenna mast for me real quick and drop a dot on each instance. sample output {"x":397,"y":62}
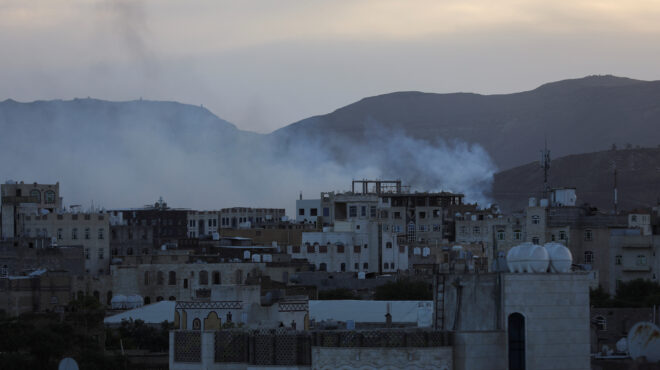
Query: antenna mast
{"x":545,"y":164}
{"x":616,"y":195}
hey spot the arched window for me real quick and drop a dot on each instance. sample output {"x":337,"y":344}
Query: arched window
{"x":536,"y":219}
{"x":50,"y":196}
{"x":197,"y":324}
{"x":588,"y":257}
{"x":535,"y":240}
{"x":216,"y":278}
{"x":203,"y":278}
{"x":323,"y":267}
{"x":159,"y":298}
{"x":501,"y":235}
{"x":146,"y":278}
{"x":171,"y":280}
{"x":35,"y":195}
{"x":172,"y":298}
{"x":160,"y":278}
{"x":516,"y":338}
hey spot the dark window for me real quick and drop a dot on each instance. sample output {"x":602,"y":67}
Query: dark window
{"x":313,"y":212}
{"x":323,"y":267}
{"x":365,"y":266}
{"x":323,"y":249}
{"x":216,"y":278}
{"x":363,"y":211}
{"x":352,"y":211}
{"x":301,"y":211}
{"x":356,"y":249}
{"x":340,"y":249}
{"x":295,"y":249}
{"x":171,"y":278}
{"x":343,"y":267}
{"x":203,"y":278}
{"x":326,"y":212}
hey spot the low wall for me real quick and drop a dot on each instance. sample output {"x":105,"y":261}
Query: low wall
{"x":382,"y":358}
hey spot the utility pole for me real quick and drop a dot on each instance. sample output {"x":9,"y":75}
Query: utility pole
{"x":545,"y":164}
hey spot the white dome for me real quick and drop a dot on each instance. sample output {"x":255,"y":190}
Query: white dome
{"x":561,"y":258}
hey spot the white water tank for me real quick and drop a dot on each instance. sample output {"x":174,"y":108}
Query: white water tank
{"x":362,"y":275}
{"x":246,"y":255}
{"x":426,"y":251}
{"x":561,"y":258}
{"x":134,"y":301}
{"x":528,"y":257}
{"x":268,"y":258}
{"x":256,"y":258}
{"x":532,"y":202}
{"x":118,"y":302}
{"x":544,"y":203}
{"x":417,"y":251}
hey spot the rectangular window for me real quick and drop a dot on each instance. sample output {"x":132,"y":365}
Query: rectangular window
{"x":323,"y":248}
{"x":101,"y":234}
{"x":326,"y":212}
{"x":313,"y":212}
{"x":74,"y":234}
{"x":422,"y":214}
{"x":356,"y":249}
{"x":59,"y":234}
{"x":340,"y":249}
{"x":588,"y":235}
{"x":397,"y":214}
{"x":618,"y":260}
{"x":101,"y":254}
{"x":301,"y":211}
{"x":372,"y":212}
{"x":363,"y":211}
{"x":295,"y":249}
{"x":87,"y":233}
{"x":310,"y":248}
{"x":86,"y":253}
{"x":352,"y":211}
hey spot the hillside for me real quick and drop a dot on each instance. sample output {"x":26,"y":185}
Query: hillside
{"x":576,"y":116}
{"x":638,"y":178}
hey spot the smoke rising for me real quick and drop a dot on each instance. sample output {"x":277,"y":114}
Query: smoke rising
{"x":128,"y":154}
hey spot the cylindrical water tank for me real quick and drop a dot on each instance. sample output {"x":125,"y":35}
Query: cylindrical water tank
{"x":561,"y":258}
{"x":533,"y":258}
{"x":512,"y":259}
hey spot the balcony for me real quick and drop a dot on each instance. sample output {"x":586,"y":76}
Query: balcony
{"x":636,"y":268}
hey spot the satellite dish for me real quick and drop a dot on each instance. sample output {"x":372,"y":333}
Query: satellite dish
{"x":68,"y":363}
{"x":644,"y":341}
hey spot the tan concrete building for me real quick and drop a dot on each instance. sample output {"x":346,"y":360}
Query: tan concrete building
{"x":90,"y":230}
{"x":40,"y":291}
{"x":20,"y":198}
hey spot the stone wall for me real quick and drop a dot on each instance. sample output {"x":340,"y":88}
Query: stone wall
{"x":382,"y":358}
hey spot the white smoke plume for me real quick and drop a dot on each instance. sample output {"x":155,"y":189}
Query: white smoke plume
{"x":128,"y":154}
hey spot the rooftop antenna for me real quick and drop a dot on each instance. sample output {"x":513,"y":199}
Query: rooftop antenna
{"x":545,"y":164}
{"x":616,"y":194}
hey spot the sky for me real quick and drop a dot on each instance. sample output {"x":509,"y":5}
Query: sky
{"x":265,"y":64}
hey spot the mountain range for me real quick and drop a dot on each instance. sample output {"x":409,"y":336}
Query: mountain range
{"x":138,"y":150}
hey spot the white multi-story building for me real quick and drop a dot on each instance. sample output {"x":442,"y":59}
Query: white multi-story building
{"x":353,"y":246}
{"x":202,"y":223}
{"x":309,"y":210}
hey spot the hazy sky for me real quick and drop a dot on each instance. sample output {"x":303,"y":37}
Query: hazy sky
{"x":265,"y":64}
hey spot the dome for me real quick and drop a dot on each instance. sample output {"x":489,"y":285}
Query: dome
{"x":561,"y":258}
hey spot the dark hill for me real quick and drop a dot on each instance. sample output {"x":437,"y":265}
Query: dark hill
{"x":576,"y":116}
{"x":638,"y":178}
